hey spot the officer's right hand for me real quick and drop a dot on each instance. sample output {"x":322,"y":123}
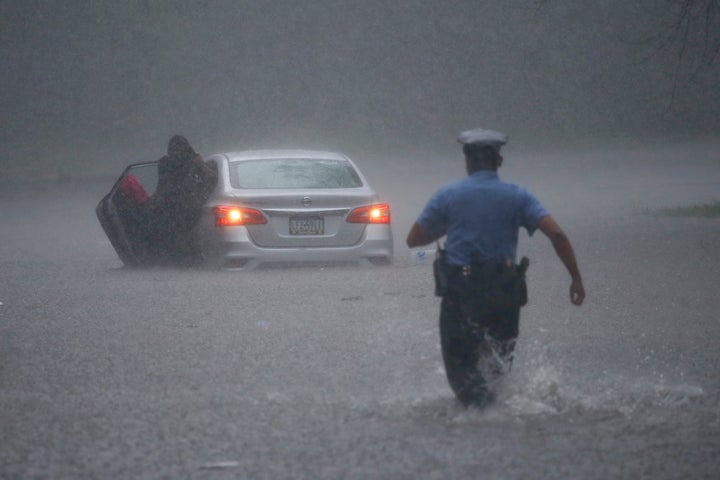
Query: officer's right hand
{"x":577,"y":293}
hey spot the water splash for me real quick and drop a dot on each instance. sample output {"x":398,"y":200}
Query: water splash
{"x":539,"y":386}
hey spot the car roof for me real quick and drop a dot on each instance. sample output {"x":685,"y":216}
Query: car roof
{"x":284,"y":153}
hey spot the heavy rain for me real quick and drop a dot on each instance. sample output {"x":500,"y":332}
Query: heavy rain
{"x":336,"y":372}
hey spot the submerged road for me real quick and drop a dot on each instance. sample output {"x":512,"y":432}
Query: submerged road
{"x":336,"y":373}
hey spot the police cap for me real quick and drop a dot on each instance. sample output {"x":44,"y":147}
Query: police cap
{"x":481,"y":136}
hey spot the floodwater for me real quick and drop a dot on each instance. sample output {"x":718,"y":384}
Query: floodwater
{"x":336,"y":373}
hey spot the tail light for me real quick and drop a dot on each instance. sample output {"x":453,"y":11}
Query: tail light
{"x":235,"y":216}
{"x":379,"y":213}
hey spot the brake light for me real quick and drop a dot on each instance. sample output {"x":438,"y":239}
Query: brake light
{"x":235,"y":216}
{"x":379,"y":213}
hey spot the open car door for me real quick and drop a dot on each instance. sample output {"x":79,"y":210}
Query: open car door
{"x":123,"y":213}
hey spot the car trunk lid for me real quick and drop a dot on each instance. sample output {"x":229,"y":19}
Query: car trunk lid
{"x":307,"y":219}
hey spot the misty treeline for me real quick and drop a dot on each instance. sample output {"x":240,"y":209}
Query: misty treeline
{"x":235,"y":74}
{"x":694,"y":30}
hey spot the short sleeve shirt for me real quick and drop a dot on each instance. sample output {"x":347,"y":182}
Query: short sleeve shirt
{"x":481,"y":216}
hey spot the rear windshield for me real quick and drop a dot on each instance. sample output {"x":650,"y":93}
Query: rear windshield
{"x":293,"y":173}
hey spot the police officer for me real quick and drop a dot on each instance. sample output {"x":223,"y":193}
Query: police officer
{"x":480,"y":216}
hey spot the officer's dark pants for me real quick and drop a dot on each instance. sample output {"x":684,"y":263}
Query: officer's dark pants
{"x":477,"y":346}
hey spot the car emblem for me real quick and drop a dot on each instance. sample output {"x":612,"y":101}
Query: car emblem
{"x":306,"y":201}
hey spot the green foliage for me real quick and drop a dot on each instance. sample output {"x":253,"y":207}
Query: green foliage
{"x":707,"y":210}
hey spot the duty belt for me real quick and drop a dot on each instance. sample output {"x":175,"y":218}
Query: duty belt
{"x":495,"y":266}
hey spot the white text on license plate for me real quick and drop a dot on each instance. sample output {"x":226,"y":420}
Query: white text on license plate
{"x":307,"y":225}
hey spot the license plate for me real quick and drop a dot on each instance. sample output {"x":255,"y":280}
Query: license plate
{"x":307,"y":225}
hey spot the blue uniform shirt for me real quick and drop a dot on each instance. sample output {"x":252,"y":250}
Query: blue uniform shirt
{"x":481,"y":216}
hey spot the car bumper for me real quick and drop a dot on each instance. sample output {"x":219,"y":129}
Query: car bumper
{"x":232,"y":248}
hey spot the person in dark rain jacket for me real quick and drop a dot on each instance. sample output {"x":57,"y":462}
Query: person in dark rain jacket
{"x":184,"y":183}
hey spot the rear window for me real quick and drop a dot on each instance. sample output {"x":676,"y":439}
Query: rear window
{"x":293,"y":173}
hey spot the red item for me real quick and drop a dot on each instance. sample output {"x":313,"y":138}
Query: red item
{"x":131,"y":187}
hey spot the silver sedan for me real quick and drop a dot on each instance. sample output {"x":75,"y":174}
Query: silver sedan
{"x":293,"y":207}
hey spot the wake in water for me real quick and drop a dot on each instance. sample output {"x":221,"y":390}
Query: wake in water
{"x":537,"y":386}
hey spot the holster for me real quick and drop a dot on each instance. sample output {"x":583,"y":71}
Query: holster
{"x":440,"y":272}
{"x":504,"y":286}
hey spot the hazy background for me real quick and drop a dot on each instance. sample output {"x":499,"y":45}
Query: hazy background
{"x":107,"y":372}
{"x":89,"y":86}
